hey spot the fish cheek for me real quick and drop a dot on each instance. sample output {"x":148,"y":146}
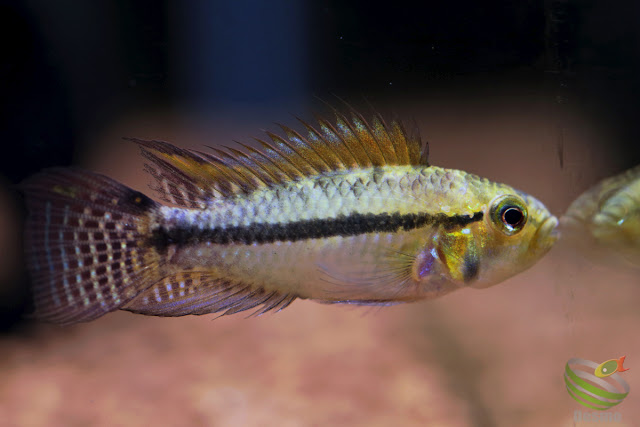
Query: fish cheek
{"x":455,"y":254}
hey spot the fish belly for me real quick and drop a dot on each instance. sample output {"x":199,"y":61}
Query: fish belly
{"x":372,"y":266}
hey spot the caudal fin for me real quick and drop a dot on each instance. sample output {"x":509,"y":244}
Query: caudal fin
{"x":84,"y":241}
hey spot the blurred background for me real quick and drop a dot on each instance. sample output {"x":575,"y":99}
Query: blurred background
{"x":542,"y":95}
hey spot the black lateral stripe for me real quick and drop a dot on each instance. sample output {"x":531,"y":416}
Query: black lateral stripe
{"x":344,"y":225}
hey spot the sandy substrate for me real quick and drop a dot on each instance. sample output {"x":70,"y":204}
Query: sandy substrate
{"x":473,"y":358}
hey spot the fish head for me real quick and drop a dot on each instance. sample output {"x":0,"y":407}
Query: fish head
{"x":515,"y":232}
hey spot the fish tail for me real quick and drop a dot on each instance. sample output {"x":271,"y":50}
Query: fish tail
{"x":620,"y":362}
{"x":85,"y":244}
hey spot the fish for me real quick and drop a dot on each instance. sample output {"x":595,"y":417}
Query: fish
{"x":603,"y":223}
{"x":610,"y":367}
{"x":344,"y":211}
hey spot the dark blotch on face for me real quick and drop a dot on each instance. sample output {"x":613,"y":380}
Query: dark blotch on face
{"x":471,"y":266}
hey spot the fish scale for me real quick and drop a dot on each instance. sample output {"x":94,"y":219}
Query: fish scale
{"x":398,"y":190}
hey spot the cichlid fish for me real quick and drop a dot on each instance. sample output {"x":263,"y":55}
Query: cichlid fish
{"x":606,"y":220}
{"x":350,"y":213}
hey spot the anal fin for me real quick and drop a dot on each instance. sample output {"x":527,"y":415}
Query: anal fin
{"x":201,"y":293}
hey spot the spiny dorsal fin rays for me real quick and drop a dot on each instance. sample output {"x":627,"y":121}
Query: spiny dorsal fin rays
{"x":327,"y":151}
{"x":409,"y":148}
{"x":361,"y":132}
{"x":304,"y":163}
{"x":188,"y":178}
{"x":191,"y":178}
{"x":306,"y":150}
{"x":231,"y":168}
{"x":331,"y":137}
{"x":379,"y":131}
{"x":403,"y":153}
{"x":253,"y":166}
{"x":364,"y":155}
{"x":378,"y":145}
{"x":265,"y":163}
{"x":280,"y":161}
{"x":168,"y":191}
{"x":174,"y":184}
{"x":418,"y":150}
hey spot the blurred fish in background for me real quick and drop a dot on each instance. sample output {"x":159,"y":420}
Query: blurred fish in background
{"x":604,"y":222}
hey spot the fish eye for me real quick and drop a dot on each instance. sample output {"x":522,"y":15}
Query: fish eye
{"x":512,"y":216}
{"x":509,"y":214}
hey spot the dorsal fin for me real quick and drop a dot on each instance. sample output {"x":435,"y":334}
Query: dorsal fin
{"x":191,"y":178}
